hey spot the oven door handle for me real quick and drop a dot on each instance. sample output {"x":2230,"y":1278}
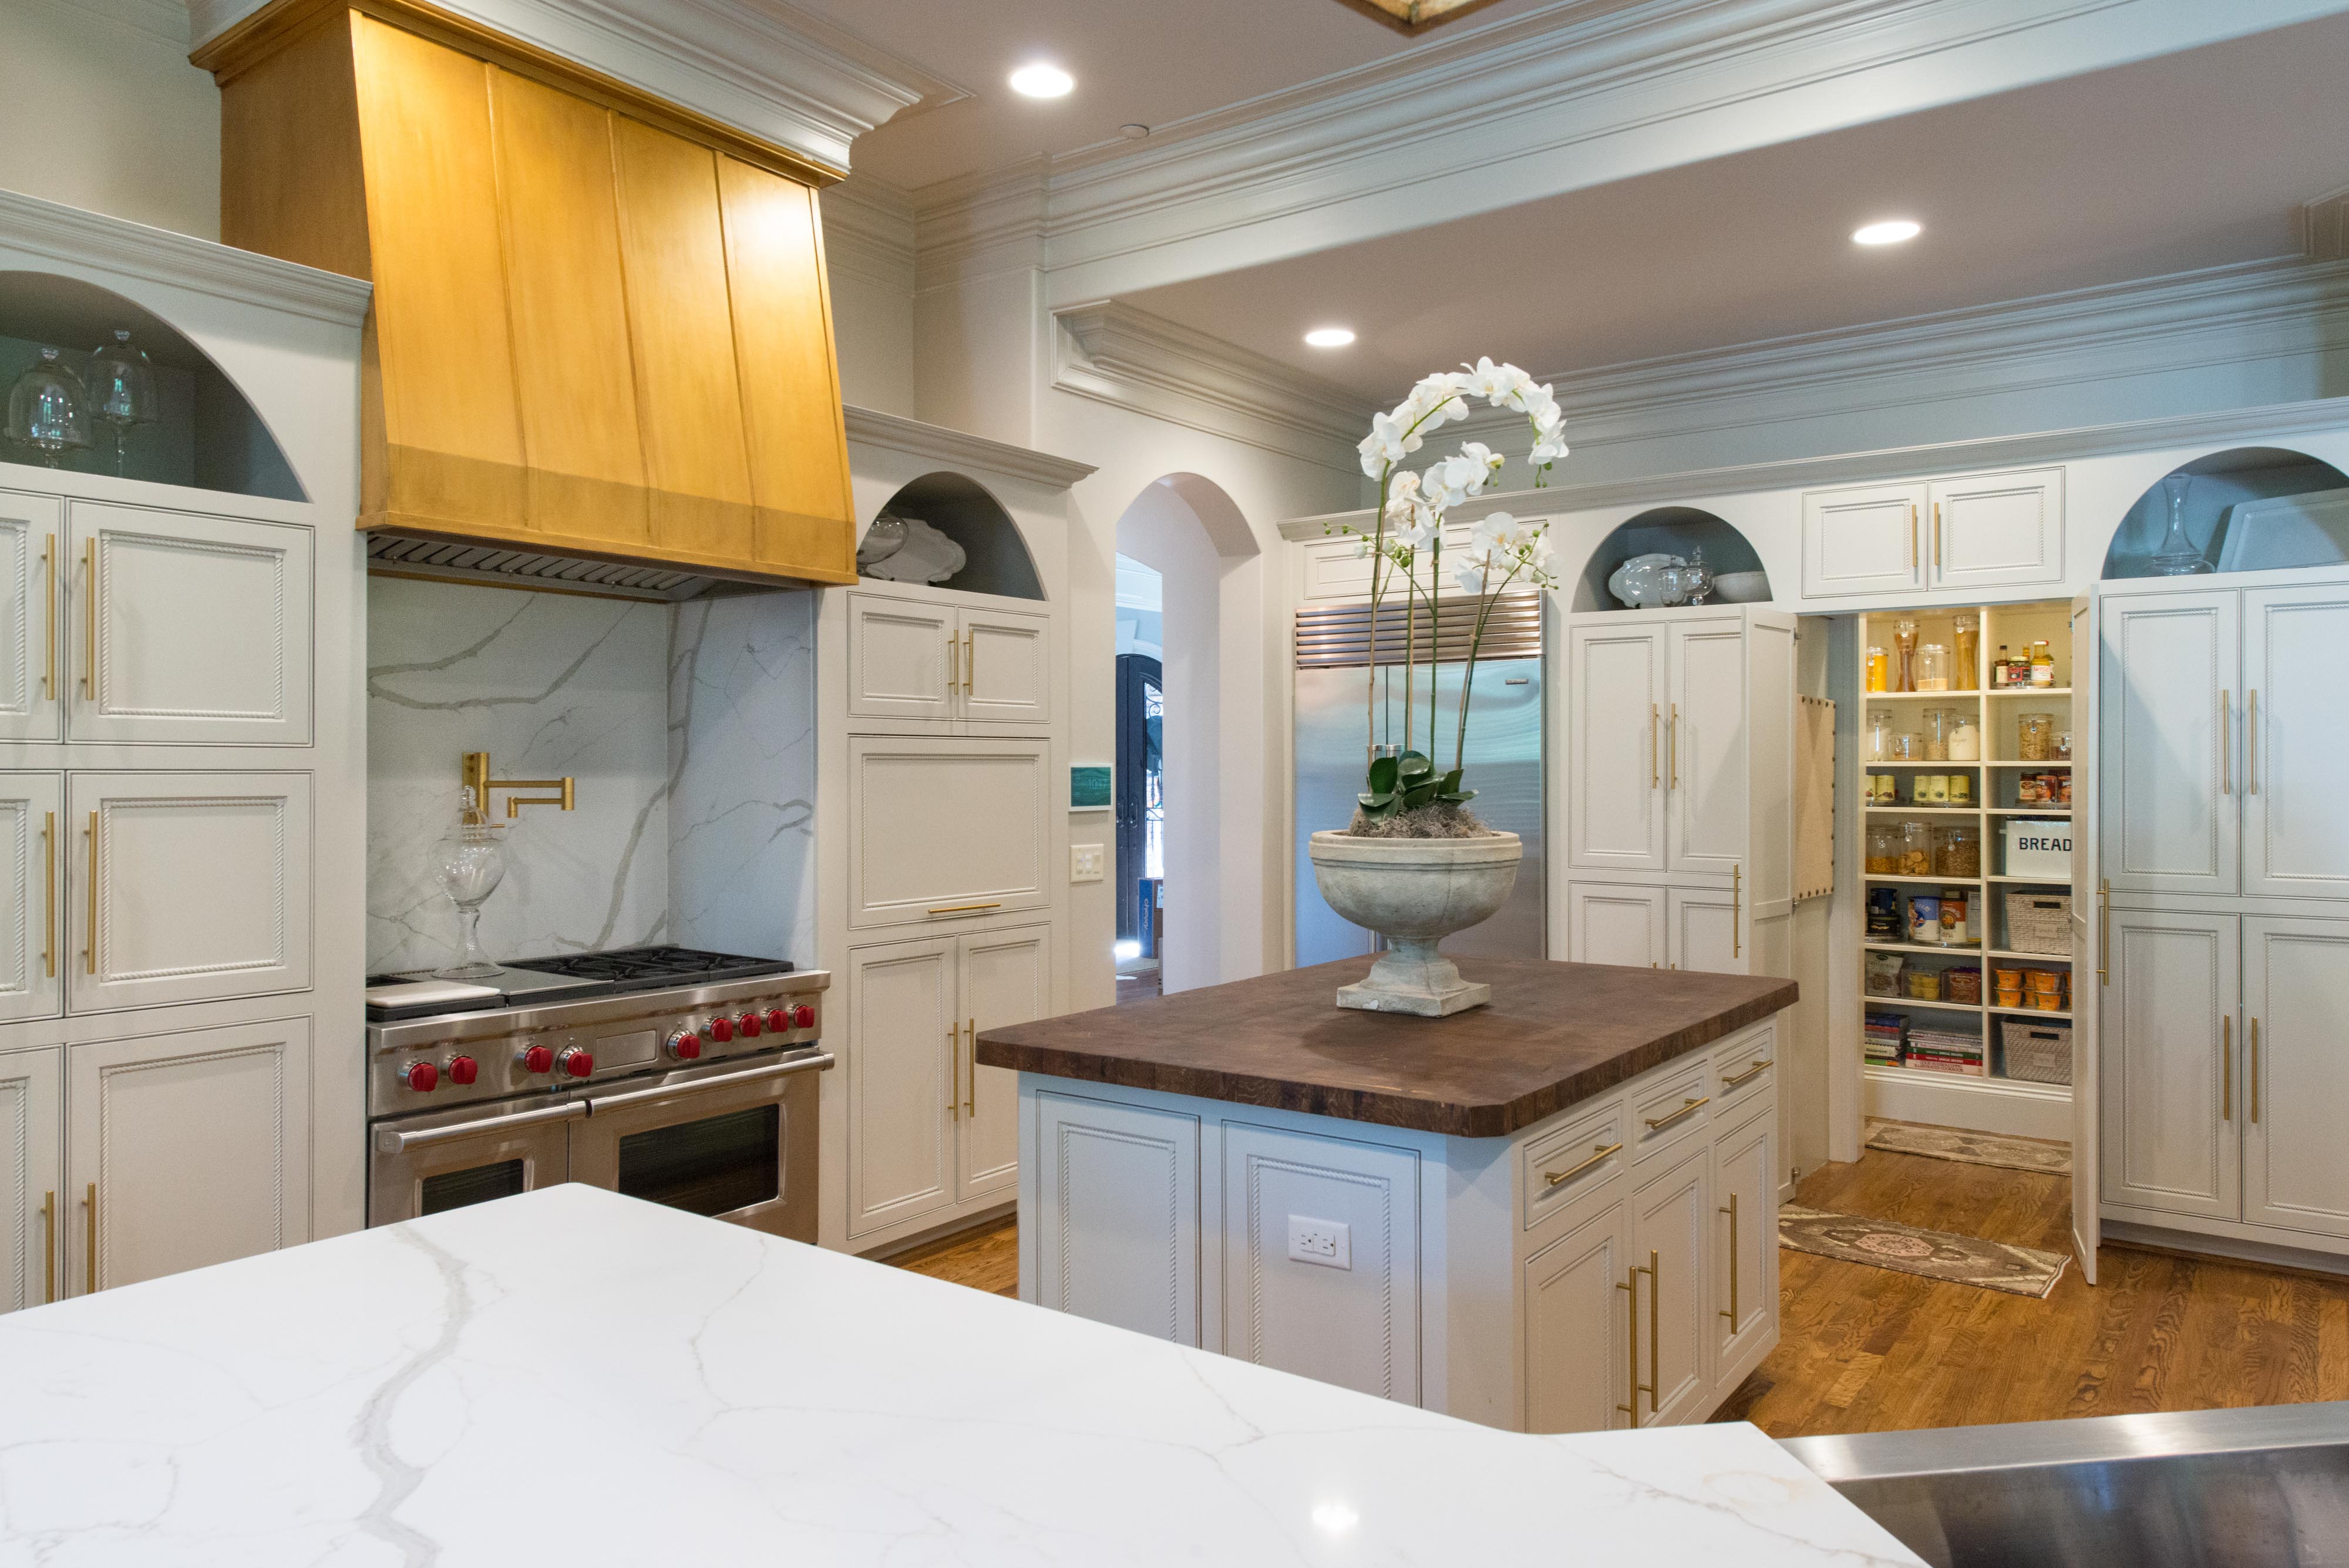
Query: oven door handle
{"x":599,"y":1104}
{"x":389,"y":1141}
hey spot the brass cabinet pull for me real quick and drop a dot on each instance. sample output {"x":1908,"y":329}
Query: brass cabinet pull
{"x":1912,"y":536}
{"x":954,"y":656}
{"x":2226,"y":743}
{"x":49,"y":872}
{"x":1598,"y":1152}
{"x":1937,"y":537}
{"x":89,"y":1280}
{"x":1631,"y":1282}
{"x":1656,"y":1123}
{"x":90,"y":620}
{"x":2252,"y":745}
{"x":50,"y":1246}
{"x":1655,"y":722}
{"x":1655,"y":1335}
{"x":1672,"y":747}
{"x":970,"y":1081}
{"x":1759,"y":1066}
{"x":969,"y":661}
{"x":954,"y":1071}
{"x":2104,"y":931}
{"x":1736,"y":910}
{"x":2255,"y":1072}
{"x":50,"y":608}
{"x":2227,"y":1068}
{"x":963,"y":909}
{"x":1730,"y":1311}
{"x":90,"y":953}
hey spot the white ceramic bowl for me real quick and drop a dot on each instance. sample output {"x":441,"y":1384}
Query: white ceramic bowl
{"x":1742,"y":588}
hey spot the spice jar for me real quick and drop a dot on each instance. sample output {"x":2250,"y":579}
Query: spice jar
{"x":1883,"y":849}
{"x":1916,"y":850}
{"x":2034,"y":736}
{"x":1957,"y":850}
{"x":1968,"y":641}
{"x":1879,"y":668}
{"x":1904,"y":641}
{"x":1880,"y":733}
{"x":1933,"y":667}
{"x":1965,"y":738}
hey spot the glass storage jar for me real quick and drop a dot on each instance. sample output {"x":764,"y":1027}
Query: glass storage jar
{"x":1957,"y":850}
{"x":1883,"y":849}
{"x":1904,"y":640}
{"x":1880,"y":735}
{"x":1933,"y":667}
{"x":1916,"y":857}
{"x":2034,"y":736}
{"x":1935,"y":726}
{"x":1879,"y":668}
{"x":1906,"y":748}
{"x":1968,"y":627}
{"x":1965,"y":738}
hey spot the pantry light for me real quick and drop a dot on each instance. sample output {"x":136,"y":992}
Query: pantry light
{"x":1891,"y":231}
{"x":1330,"y":337}
{"x":1040,"y":80}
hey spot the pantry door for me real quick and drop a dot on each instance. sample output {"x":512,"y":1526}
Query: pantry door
{"x":2088,"y":971}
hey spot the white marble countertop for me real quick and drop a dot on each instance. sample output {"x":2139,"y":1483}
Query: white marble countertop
{"x":578,"y":1378}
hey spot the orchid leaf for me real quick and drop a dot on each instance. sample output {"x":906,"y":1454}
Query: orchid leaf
{"x":1383,"y":774}
{"x":1415,"y":765}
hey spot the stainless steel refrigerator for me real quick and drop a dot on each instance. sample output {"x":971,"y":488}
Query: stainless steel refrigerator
{"x":1504,"y":762}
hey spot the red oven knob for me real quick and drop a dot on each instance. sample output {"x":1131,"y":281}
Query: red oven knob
{"x":537,"y":1059}
{"x":421,"y":1077}
{"x":778,"y":1020}
{"x":803,"y":1016}
{"x":719,"y":1028}
{"x":749,"y":1025}
{"x":685,"y":1046}
{"x":463,"y":1069}
{"x":576,"y":1061}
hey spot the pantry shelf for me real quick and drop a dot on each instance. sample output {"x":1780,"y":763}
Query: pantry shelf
{"x":1926,"y":881}
{"x":1914,"y":1003}
{"x":2031,"y":811}
{"x":1964,"y":949}
{"x":2030,"y":1013}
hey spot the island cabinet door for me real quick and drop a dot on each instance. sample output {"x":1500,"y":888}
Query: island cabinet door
{"x":904,"y":1044}
{"x":1743,"y":1308}
{"x":1006,"y":978}
{"x":1117,"y":1215}
{"x":1615,"y":805}
{"x":1705,"y":746}
{"x":1616,"y":922}
{"x":34,"y":1205}
{"x":1671,"y":1244}
{"x":1582,"y":1325}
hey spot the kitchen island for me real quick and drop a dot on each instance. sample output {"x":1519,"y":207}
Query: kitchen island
{"x":1555,"y":1213}
{"x":573,"y":1377}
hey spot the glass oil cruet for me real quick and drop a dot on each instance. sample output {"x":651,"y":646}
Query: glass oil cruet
{"x":470,"y":861}
{"x":2177,"y":557}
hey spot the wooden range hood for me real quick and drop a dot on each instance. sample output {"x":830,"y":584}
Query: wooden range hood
{"x":600,"y":327}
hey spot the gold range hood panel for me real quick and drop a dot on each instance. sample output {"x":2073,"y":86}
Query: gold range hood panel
{"x":601,"y":326}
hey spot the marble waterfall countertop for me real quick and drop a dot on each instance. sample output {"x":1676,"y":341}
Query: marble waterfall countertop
{"x":575,"y":1377}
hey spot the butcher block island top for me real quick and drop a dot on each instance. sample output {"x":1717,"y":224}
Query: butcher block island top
{"x":1554,"y":1035}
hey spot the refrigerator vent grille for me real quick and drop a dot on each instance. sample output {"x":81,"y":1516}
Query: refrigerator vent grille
{"x":1340,"y":635}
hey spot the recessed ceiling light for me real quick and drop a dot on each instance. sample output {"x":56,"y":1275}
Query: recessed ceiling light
{"x":1331,"y":336}
{"x":1040,"y":80}
{"x":1889,"y":233}
{"x":1134,"y":132}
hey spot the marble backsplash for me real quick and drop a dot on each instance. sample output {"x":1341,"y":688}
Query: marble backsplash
{"x":690,"y":731}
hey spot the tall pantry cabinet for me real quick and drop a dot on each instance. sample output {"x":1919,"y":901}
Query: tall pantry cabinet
{"x":181,"y":768}
{"x":2223,"y":926}
{"x":942,"y":829}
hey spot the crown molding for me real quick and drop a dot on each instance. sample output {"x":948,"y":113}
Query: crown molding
{"x":868,"y":230}
{"x":71,"y":237}
{"x":762,"y":67}
{"x":936,"y":444}
{"x":1132,"y":359}
{"x":165,"y":19}
{"x":2325,"y":226}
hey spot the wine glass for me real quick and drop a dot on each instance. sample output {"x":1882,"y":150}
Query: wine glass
{"x":123,"y":389}
{"x":470,"y":861}
{"x":47,"y":411}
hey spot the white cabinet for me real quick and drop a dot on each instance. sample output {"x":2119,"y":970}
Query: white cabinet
{"x":922,"y":658}
{"x":32,"y":543}
{"x":1671,"y":1231}
{"x":193,"y":1149}
{"x":1707,"y":929}
{"x":946,"y":828}
{"x":2295,"y":1073}
{"x":1705,"y":746}
{"x":1616,"y":691}
{"x":2170,"y":678}
{"x":2170,"y":1134}
{"x":186,"y":887}
{"x":1581,"y":1316}
{"x":1745,"y":1274}
{"x":1966,"y":532}
{"x":1125,"y":1179}
{"x":35,"y":1206}
{"x":1338,"y":569}
{"x":1617,"y":923}
{"x":190,"y":630}
{"x":928,"y":1128}
{"x":32,"y":913}
{"x":2295,"y":748}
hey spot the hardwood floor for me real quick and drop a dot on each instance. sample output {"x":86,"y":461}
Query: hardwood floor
{"x":1866,"y":1349}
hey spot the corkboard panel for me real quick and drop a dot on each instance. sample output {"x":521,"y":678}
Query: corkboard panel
{"x":1814,"y":773}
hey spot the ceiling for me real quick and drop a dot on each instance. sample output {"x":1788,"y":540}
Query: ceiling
{"x":1147,"y":62}
{"x":2185,"y":161}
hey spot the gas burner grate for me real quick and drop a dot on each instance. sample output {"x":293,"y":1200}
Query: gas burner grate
{"x":653,"y":966}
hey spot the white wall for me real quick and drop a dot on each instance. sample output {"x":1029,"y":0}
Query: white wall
{"x":107,"y":115}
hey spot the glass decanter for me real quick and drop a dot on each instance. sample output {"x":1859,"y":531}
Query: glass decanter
{"x":46,"y":410}
{"x":2177,"y":557}
{"x":470,"y":861}
{"x":1697,"y":578}
{"x":123,"y":389}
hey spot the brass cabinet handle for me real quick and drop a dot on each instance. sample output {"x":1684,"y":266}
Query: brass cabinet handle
{"x":1655,"y":722}
{"x":49,"y":607}
{"x":2251,"y":744}
{"x":1937,"y":535}
{"x":1655,"y":1335}
{"x":969,"y":661}
{"x":2227,"y":1068}
{"x":1655,"y":1123}
{"x":1736,"y":910}
{"x":963,"y":909}
{"x":50,"y":1246}
{"x":1631,"y":1282}
{"x":2226,"y":743}
{"x":970,"y":1081}
{"x":2255,"y":1072}
{"x":90,"y":953}
{"x":49,"y":872}
{"x":1598,"y":1152}
{"x":1730,"y":1311}
{"x":2104,"y":931}
{"x":954,"y":656}
{"x":1912,"y":536}
{"x":954,"y":1071}
{"x":89,"y":1280}
{"x":1672,"y":747}
{"x":90,"y":620}
{"x":1759,"y":1066}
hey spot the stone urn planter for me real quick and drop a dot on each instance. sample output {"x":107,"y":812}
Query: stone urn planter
{"x":1415,"y":892}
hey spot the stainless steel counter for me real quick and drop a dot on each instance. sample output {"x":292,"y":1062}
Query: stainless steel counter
{"x":2225,"y":1489}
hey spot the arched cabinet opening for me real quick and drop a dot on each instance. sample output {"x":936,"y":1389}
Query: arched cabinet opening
{"x":183,"y":423}
{"x":1682,"y":532}
{"x":946,"y":531}
{"x":2246,"y":509}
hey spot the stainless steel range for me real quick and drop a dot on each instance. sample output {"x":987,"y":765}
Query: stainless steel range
{"x":682,"y":1077}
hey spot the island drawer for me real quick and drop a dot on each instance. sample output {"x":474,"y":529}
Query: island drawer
{"x":1676,"y":1107}
{"x":1744,"y":1069}
{"x":1575,"y":1158}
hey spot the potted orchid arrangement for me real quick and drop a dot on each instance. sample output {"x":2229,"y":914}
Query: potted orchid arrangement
{"x":1415,"y":865}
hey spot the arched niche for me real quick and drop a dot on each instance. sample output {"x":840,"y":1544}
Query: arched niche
{"x":210,"y":436}
{"x":996,"y":557}
{"x":2234,"y":534}
{"x":1664,"y":530}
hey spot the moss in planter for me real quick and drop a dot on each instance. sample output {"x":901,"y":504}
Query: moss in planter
{"x":1437,"y":819}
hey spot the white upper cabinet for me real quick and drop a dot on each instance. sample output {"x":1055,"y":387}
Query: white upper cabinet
{"x":186,"y":887}
{"x":1615,"y":805}
{"x":942,"y":829}
{"x":1969,"y":532}
{"x":1006,"y":668}
{"x":902,"y":657}
{"x":35,"y":1207}
{"x":1863,"y":540}
{"x":2167,"y":758}
{"x":1705,"y":746}
{"x":188,"y":629}
{"x":32,"y":908}
{"x":2295,"y":750}
{"x":32,"y":542}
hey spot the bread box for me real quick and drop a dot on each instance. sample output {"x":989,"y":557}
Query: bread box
{"x":2037,"y":848}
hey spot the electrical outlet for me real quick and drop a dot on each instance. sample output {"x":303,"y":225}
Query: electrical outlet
{"x":1324,"y":1242}
{"x":1084,"y":862}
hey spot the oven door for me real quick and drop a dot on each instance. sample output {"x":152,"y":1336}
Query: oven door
{"x":730,"y":1141}
{"x":422,"y":1165}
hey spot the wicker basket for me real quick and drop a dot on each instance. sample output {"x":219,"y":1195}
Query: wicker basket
{"x":2036,"y":1052}
{"x":2039,"y":923}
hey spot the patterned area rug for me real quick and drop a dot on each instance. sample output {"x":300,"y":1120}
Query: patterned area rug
{"x":1971,"y":1147}
{"x":1935,"y":1254}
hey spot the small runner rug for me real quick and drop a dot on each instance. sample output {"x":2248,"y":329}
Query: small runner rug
{"x":1935,"y":1254}
{"x":1972,"y":1148}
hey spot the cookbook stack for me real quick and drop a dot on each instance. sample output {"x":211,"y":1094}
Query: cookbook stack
{"x":1884,"y":1038}
{"x":1942,"y":1051}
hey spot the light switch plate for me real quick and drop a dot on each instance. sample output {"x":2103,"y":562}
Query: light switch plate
{"x":1327,"y":1243}
{"x":1084,"y":863}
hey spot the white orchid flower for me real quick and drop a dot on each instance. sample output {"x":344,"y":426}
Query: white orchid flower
{"x":1498,"y":384}
{"x":1387,"y":444}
